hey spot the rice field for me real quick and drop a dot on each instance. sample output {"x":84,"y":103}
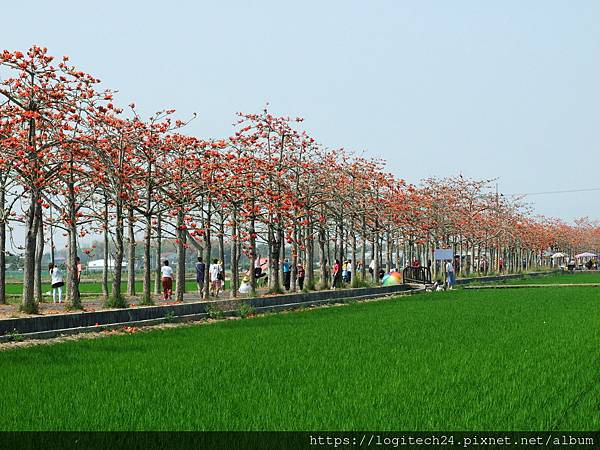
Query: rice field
{"x":95,"y":287}
{"x":460,"y":360}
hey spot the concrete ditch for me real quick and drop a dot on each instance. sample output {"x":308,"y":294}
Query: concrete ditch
{"x":493,"y":278}
{"x":44,"y":327}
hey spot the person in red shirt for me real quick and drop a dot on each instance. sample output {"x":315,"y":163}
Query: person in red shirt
{"x":335,"y":274}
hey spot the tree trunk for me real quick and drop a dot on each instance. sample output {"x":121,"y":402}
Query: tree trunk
{"x":363,"y":256}
{"x":376,"y":252}
{"x":157,"y":271}
{"x":353,"y":280}
{"x":39,"y":254}
{"x":2,"y":262}
{"x":234,"y":254}
{"x":208,"y":251}
{"x":274,"y":266}
{"x":181,"y":241}
{"x":388,"y":251}
{"x":281,"y":240}
{"x":252,"y":232}
{"x":323,"y":260}
{"x":294,"y":268}
{"x":131,"y":255}
{"x":72,"y":278}
{"x":2,"y":245}
{"x":119,"y":250}
{"x":146,"y":287}
{"x":146,"y":290}
{"x":310,"y":257}
{"x":29,"y":304}
{"x":106,"y":252}
{"x":222,"y":246}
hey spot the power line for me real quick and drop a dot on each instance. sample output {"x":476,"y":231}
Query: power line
{"x":558,"y":192}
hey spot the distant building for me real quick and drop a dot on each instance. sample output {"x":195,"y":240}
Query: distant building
{"x":98,"y":264}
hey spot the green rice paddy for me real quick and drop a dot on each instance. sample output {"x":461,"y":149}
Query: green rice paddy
{"x":463,"y":360}
{"x":95,"y":287}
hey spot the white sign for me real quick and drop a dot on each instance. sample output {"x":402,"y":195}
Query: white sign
{"x":443,"y":254}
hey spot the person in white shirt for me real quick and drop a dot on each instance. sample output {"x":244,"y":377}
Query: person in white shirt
{"x":349,"y":271}
{"x":167,"y":280}
{"x":372,"y":267}
{"x":451,"y":276}
{"x":56,"y":282}
{"x":215,"y":280}
{"x":245,"y":287}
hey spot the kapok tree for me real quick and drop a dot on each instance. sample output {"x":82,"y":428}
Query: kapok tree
{"x":44,"y":100}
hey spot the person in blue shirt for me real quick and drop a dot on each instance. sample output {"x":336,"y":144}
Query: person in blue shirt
{"x":287,"y":275}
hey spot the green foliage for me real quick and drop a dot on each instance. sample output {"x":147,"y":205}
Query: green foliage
{"x":74,"y":306}
{"x":15,"y":336}
{"x":169,"y":316}
{"x":214,"y":312}
{"x":246,"y":310}
{"x":31,"y":308}
{"x":116,"y":302}
{"x":309,"y":286}
{"x":147,"y":301}
{"x":360,"y":283}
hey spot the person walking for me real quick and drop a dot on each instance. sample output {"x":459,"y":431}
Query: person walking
{"x":287,"y":275}
{"x":200,"y":272}
{"x":214,"y":271}
{"x":335,"y":274}
{"x":349,"y":271}
{"x":220,"y":277}
{"x":456,"y":264}
{"x":167,"y":280}
{"x":79,"y":268}
{"x":450,"y":274}
{"x":56,"y":282}
{"x":344,"y":270}
{"x":300,"y":276}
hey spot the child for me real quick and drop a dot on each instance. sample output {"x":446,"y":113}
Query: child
{"x":344,"y":271}
{"x":245,"y":287}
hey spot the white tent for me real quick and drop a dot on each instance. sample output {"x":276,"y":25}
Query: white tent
{"x":585,"y":255}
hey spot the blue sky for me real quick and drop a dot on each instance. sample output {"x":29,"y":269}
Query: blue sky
{"x":504,"y":89}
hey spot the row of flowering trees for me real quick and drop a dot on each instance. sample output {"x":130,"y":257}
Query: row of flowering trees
{"x":72,"y":160}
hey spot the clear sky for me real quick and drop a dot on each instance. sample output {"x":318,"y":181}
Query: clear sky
{"x":506,"y":89}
